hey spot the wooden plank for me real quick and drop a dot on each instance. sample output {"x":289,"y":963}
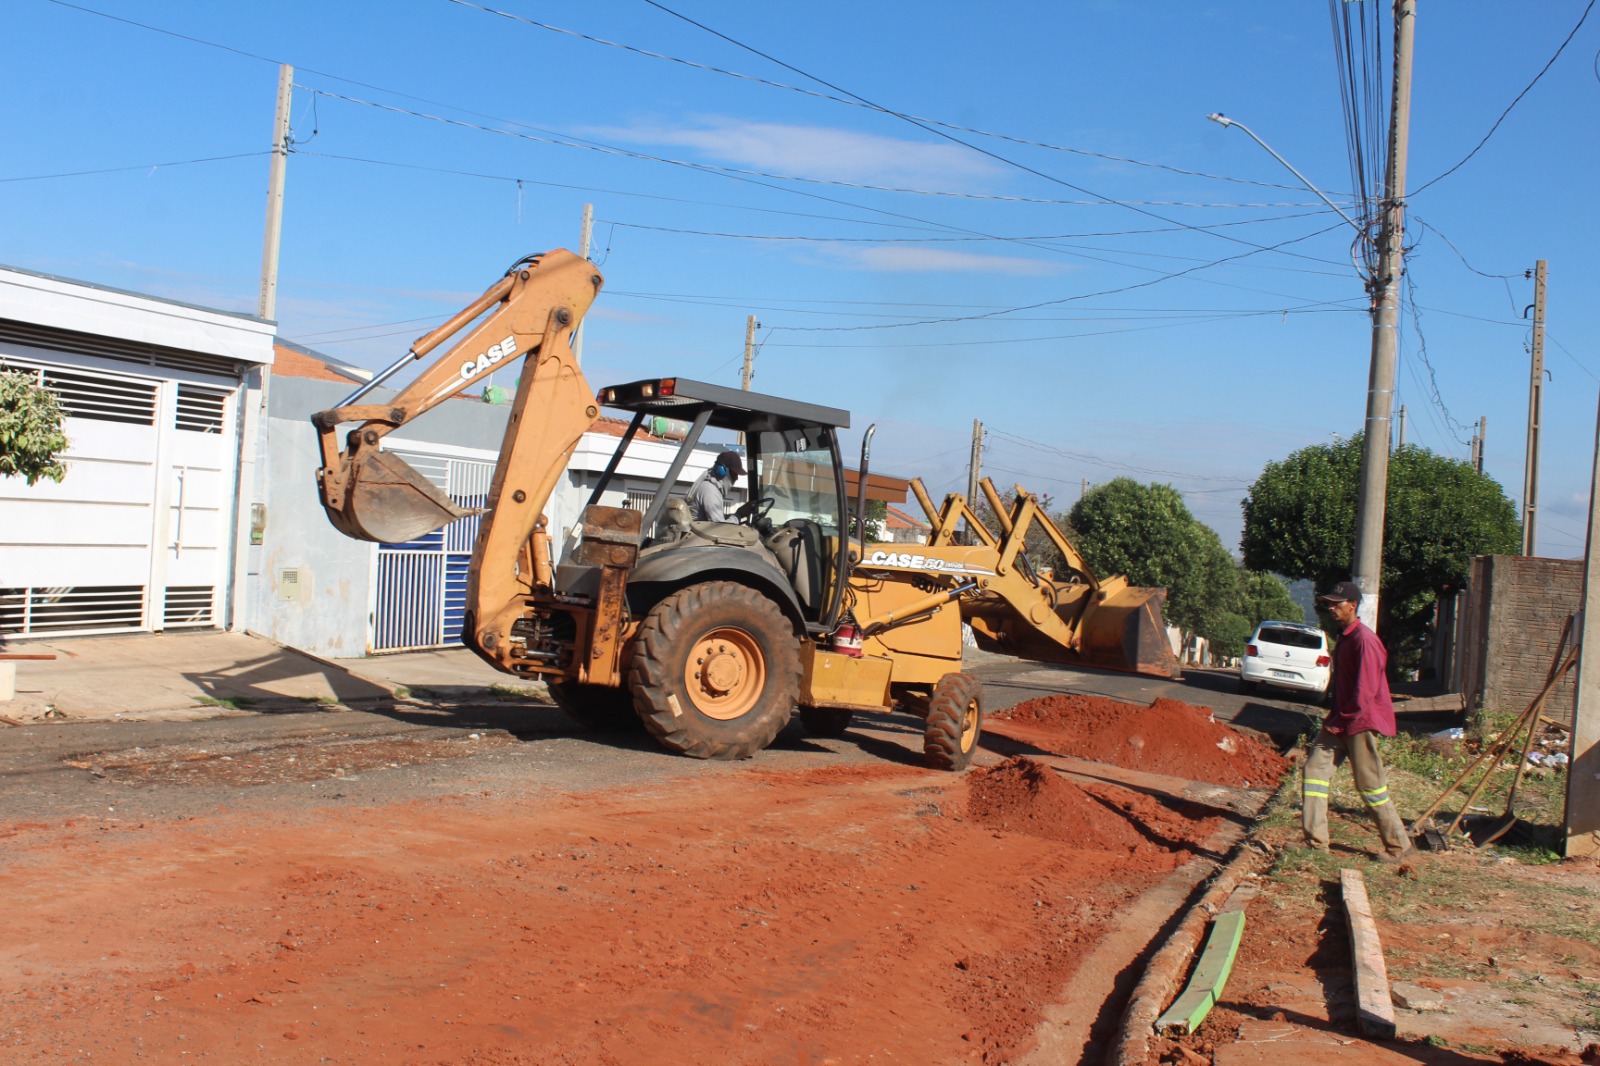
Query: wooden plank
{"x":1375,"y":1010}
{"x":1210,"y":976}
{"x":10,"y":656}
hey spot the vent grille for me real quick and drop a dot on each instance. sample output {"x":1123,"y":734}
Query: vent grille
{"x":190,"y":605}
{"x":201,"y":409}
{"x":105,"y":398}
{"x":123,"y":351}
{"x":71,"y":609}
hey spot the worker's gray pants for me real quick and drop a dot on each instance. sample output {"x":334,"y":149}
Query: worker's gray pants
{"x":1323,"y":759}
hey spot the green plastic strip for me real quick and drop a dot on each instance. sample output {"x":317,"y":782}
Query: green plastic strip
{"x":1209,"y":977}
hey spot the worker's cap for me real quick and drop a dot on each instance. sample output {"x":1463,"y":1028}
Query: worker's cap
{"x":1343,"y":592}
{"x":733,"y":462}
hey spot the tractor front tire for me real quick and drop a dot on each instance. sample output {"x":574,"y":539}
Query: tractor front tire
{"x":716,"y":671}
{"x":955,"y":720}
{"x":598,"y":707}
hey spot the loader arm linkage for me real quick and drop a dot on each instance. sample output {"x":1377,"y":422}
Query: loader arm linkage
{"x":529,"y":315}
{"x":1074,"y":618}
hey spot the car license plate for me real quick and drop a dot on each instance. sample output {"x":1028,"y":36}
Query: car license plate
{"x":1284,"y":673}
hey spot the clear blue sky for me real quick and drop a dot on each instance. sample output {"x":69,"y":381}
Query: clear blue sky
{"x":118,"y":171}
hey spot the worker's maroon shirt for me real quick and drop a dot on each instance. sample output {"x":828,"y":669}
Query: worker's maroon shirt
{"x":1360,"y":685}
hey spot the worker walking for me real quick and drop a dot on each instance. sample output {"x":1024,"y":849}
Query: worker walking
{"x":1362,"y":712}
{"x":708,"y":496}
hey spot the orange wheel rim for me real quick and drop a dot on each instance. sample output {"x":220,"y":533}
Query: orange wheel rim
{"x":969,"y":726}
{"x":725,"y":674}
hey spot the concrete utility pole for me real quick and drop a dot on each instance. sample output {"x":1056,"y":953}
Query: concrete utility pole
{"x":1385,"y":327}
{"x":1582,"y":818}
{"x":1530,"y":470}
{"x":975,"y":463}
{"x":268,"y":306}
{"x":585,"y":234}
{"x":750,"y":327}
{"x":1401,"y":443}
{"x":1478,"y":439}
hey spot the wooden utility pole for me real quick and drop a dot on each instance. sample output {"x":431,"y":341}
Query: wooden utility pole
{"x":750,"y":327}
{"x":1582,"y":818}
{"x":1385,"y":327}
{"x":268,"y":306}
{"x":585,"y":237}
{"x":1530,"y":470}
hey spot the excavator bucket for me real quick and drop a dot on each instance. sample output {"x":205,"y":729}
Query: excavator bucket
{"x":1127,"y":631}
{"x":388,"y":501}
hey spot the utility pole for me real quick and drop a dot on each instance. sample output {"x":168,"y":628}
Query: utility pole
{"x":975,"y":463}
{"x":750,"y":327}
{"x":1402,"y":441}
{"x":1530,"y":470}
{"x":1476,"y":454}
{"x":1582,"y":819}
{"x":1385,"y":326}
{"x":585,"y":234}
{"x":268,"y":306}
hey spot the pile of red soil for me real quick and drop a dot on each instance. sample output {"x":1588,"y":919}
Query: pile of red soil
{"x":1167,"y":737}
{"x":1021,"y":795}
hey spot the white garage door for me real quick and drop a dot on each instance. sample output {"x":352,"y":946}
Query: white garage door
{"x":137,"y":535}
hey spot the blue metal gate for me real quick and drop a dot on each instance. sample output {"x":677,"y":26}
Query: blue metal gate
{"x":422,"y":584}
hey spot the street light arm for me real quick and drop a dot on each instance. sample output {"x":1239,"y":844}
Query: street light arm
{"x":1224,"y":121}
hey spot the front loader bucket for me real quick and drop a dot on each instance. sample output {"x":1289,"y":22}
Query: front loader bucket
{"x":1127,"y":631}
{"x":386,"y":500}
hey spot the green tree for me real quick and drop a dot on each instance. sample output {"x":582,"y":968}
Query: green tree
{"x":31,"y":440}
{"x":1147,"y":533}
{"x":877,"y":521}
{"x":1300,"y":521}
{"x":1265,"y":598}
{"x":1231,"y":633}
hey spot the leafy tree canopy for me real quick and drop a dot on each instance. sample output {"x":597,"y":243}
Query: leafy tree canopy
{"x":1265,"y":598}
{"x":31,"y":440}
{"x":1300,"y":521}
{"x":1147,"y":533}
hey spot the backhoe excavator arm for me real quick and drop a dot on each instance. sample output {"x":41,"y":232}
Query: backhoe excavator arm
{"x":528,"y":314}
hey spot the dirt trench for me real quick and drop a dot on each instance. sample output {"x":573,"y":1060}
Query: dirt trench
{"x":865,"y":912}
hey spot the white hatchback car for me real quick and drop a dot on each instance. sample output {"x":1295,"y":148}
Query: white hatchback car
{"x":1289,"y":655}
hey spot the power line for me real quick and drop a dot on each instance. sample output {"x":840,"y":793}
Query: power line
{"x":995,"y":342}
{"x":1581,"y":19}
{"x":858,"y":103}
{"x":780,"y":237}
{"x":1096,"y":460}
{"x":1071,"y":299}
{"x":152,"y":167}
{"x":948,"y":136}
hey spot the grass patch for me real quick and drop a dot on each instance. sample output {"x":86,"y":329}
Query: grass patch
{"x":320,"y":701}
{"x":231,"y":703}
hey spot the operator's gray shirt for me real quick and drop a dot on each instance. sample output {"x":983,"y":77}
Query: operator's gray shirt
{"x":708,"y":499}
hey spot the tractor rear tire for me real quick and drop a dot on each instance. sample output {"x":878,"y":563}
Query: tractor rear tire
{"x":598,"y":707}
{"x":716,"y":671}
{"x":955,"y":720}
{"x":827,"y":722}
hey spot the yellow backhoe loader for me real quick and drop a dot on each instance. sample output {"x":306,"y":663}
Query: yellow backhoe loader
{"x":714,"y":633}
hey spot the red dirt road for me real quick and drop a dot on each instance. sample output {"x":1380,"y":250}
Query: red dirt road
{"x":874,"y":913}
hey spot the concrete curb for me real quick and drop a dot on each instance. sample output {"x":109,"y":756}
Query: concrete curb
{"x":1155,"y":988}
